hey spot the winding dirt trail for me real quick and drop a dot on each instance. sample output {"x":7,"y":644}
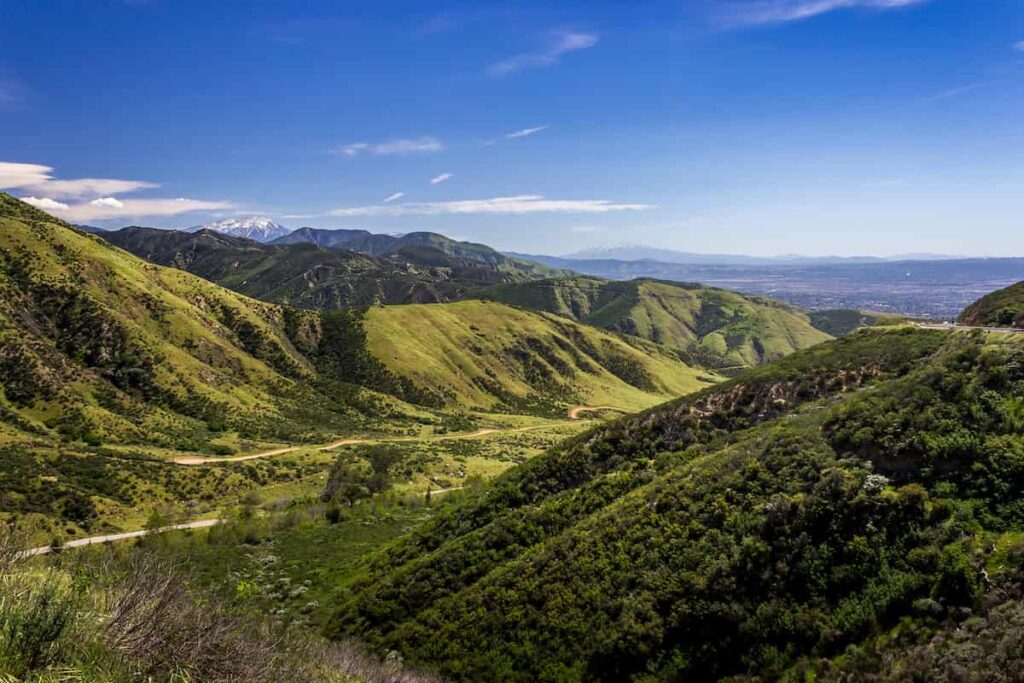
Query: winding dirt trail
{"x":573,"y":415}
{"x":110,"y":538}
{"x":190,"y":460}
{"x":574,"y":412}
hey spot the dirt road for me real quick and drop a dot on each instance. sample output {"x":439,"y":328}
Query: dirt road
{"x":110,"y":538}
{"x":574,"y":413}
{"x":204,"y":460}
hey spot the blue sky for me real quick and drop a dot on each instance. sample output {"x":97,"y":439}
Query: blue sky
{"x":741,"y":126}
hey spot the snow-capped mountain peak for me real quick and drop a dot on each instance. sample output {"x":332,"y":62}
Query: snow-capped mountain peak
{"x":259,"y":228}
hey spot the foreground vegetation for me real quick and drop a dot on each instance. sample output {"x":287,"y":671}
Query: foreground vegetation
{"x":853,"y":499}
{"x":134,"y":614}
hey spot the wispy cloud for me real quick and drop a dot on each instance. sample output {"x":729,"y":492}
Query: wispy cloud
{"x":525,"y":132}
{"x":584,"y":229}
{"x":438,"y":179}
{"x":13,"y":174}
{"x":954,"y":92}
{"x":89,"y":199}
{"x":520,"y":204}
{"x":561,"y":43}
{"x":39,"y":179}
{"x":760,"y":12}
{"x":395,"y":197}
{"x":1019,"y":46}
{"x":98,"y":210}
{"x":396,"y":146}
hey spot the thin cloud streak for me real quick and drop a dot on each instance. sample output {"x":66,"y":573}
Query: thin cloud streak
{"x":525,"y":132}
{"x":438,"y":179}
{"x":38,"y":179}
{"x":954,"y":92}
{"x":764,"y":12}
{"x":520,"y":204}
{"x":395,"y":197}
{"x":398,"y":146}
{"x":563,"y":42}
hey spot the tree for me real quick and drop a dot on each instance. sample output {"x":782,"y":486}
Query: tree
{"x":382,"y":461}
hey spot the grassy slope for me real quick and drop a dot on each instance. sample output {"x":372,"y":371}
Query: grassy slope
{"x":483,"y":355}
{"x":141,"y":353}
{"x":758,"y":527}
{"x":716,"y":327}
{"x":307,"y":275}
{"x":841,"y":321}
{"x":1003,"y":308}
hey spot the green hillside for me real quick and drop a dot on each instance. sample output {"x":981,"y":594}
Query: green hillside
{"x":715,"y":327}
{"x":112,"y":367}
{"x":1002,"y":308}
{"x":491,"y":356}
{"x":417,"y":245}
{"x":310,"y":276}
{"x":758,"y":529}
{"x":99,"y":345}
{"x":841,"y":321}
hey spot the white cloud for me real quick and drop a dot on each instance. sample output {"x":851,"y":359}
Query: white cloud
{"x":130,"y":208}
{"x":22,"y":175}
{"x":395,"y":196}
{"x":353,"y":149}
{"x":92,"y":186}
{"x":39,"y":179}
{"x":759,"y":12}
{"x":525,"y":132}
{"x":392,"y":147}
{"x":438,"y":179}
{"x":108,"y":201}
{"x":562,"y":42}
{"x":520,"y":204}
{"x":1019,"y":46}
{"x":45,"y":203}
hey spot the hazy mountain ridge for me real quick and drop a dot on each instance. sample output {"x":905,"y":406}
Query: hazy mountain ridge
{"x":645,"y":253}
{"x":938,"y":289}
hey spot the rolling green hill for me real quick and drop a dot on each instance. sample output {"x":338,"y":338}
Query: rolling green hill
{"x":487,"y":355}
{"x":111,"y":365}
{"x":97,"y":344}
{"x":418,"y":245}
{"x":841,"y":321}
{"x":715,"y":327}
{"x":1002,"y":308}
{"x":310,"y":276}
{"x":852,"y":498}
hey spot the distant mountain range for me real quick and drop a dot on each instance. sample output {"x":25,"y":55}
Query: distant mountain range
{"x":645,"y":253}
{"x":259,"y":228}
